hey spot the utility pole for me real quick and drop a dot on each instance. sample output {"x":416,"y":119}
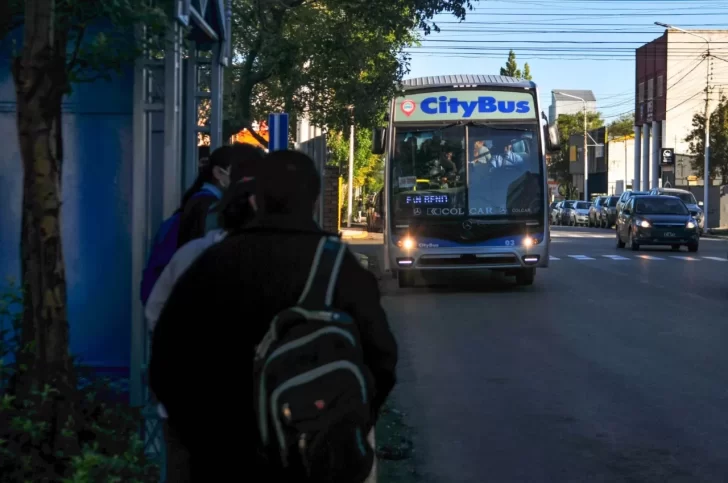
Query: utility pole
{"x":586,"y":152}
{"x":706,"y":155}
{"x":351,"y":171}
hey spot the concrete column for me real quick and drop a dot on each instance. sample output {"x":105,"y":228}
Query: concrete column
{"x":655,"y":164}
{"x":637,"y":153}
{"x":645,"y":157}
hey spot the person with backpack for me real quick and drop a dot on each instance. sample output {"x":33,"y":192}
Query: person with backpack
{"x":191,"y":221}
{"x":284,"y":309}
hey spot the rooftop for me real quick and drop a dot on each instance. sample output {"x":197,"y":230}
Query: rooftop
{"x":469,"y":80}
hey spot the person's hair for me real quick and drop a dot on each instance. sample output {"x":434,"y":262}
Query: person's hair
{"x":225,"y":157}
{"x":234,"y":209}
{"x":288,"y":183}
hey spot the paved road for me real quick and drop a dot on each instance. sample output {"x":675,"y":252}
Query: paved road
{"x":606,"y":369}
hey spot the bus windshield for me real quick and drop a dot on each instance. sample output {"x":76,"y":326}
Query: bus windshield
{"x":476,"y":170}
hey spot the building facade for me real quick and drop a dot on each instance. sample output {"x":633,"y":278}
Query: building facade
{"x":671,"y":73}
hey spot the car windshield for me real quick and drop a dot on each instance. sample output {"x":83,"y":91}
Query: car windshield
{"x":659,"y":206}
{"x":568,"y":204}
{"x":583,"y":205}
{"x":612,"y":202}
{"x":685,"y":196}
{"x":498,"y":172}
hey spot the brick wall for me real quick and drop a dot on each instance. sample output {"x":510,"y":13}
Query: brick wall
{"x":330,"y":184}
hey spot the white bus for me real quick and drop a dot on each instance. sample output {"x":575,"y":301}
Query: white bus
{"x":465,"y":177}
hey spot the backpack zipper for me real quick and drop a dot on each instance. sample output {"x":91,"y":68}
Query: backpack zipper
{"x":262,"y":408}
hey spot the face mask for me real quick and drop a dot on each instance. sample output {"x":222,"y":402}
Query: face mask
{"x":225,"y":181}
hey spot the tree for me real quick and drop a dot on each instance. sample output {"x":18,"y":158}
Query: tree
{"x":718,"y":142}
{"x":320,"y":58}
{"x":58,"y":51}
{"x":568,"y":125}
{"x":624,"y":126}
{"x":511,"y":69}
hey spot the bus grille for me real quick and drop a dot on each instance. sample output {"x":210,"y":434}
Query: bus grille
{"x":467,"y":260}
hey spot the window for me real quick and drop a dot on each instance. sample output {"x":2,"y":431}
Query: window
{"x":650,"y":89}
{"x":660,"y":86}
{"x":641,"y":92}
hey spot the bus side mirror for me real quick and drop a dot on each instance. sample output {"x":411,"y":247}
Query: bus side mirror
{"x":551,"y":134}
{"x":378,"y":141}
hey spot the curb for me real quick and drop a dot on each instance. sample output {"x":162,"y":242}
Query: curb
{"x":354,"y":234}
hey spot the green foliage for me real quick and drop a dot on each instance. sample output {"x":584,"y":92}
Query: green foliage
{"x":319,"y":58}
{"x":568,"y":125}
{"x":624,"y":126}
{"x":511,"y":68}
{"x":99,"y":439}
{"x":718,"y":142}
{"x":97,"y":38}
{"x":368,"y":167}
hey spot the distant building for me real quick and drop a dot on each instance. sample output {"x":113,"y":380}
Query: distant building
{"x":562,"y":104}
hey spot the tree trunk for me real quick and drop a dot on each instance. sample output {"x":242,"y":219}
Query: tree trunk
{"x":41,"y":81}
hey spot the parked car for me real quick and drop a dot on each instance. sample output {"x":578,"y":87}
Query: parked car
{"x":565,"y":212}
{"x":554,"y":213}
{"x":695,"y":207}
{"x":656,"y":220}
{"x":580,"y":213}
{"x":608,"y":214}
{"x":595,"y":211}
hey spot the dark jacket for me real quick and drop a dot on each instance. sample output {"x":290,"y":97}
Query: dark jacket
{"x":202,"y":349}
{"x":193,"y":221}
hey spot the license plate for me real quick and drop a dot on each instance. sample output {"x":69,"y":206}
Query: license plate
{"x":669,"y":234}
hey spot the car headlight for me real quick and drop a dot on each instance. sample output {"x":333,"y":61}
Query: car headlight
{"x":406,"y":243}
{"x":690,"y":225}
{"x":644,"y":224}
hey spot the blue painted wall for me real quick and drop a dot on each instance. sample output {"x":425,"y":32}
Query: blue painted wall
{"x":96,"y":222}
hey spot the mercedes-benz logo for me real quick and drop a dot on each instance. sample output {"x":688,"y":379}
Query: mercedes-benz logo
{"x":467,"y":225}
{"x":418,"y":212}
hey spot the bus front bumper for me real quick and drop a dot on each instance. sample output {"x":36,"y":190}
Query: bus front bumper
{"x":469,"y":258}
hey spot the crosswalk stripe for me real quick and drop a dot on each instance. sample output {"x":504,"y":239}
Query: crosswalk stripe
{"x":717,"y":259}
{"x":615,"y":257}
{"x":650,"y":257}
{"x":689,"y":259}
{"x":581,"y":257}
{"x":553,"y":258}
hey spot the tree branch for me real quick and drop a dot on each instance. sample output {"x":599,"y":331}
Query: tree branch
{"x":76,"y":49}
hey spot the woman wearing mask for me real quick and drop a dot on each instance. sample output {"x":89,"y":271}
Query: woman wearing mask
{"x":208,"y":188}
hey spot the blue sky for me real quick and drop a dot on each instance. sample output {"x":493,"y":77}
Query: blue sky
{"x":569,"y":44}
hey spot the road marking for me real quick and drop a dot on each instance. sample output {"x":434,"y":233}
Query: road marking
{"x":689,"y":259}
{"x":650,"y":257}
{"x":553,"y":258}
{"x":581,"y":257}
{"x":717,"y":259}
{"x":615,"y":257}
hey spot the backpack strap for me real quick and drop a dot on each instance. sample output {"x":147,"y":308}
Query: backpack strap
{"x":319,"y":290}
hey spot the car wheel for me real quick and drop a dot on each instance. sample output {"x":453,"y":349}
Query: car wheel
{"x":525,"y":276}
{"x":693,"y":247}
{"x":620,"y":243}
{"x":632,"y":244}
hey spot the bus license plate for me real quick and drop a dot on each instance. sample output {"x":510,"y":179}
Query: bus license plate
{"x":669,"y":234}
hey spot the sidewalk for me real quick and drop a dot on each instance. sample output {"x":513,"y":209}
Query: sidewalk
{"x":721,"y":233}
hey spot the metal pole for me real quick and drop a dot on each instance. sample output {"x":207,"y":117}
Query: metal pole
{"x":586,"y":158}
{"x":351,"y":176}
{"x":706,"y":176}
{"x":624,"y":187}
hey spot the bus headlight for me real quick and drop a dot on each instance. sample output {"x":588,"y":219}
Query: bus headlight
{"x":529,"y":242}
{"x":407,"y":243}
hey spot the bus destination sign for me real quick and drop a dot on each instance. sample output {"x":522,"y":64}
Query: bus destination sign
{"x":470,"y":105}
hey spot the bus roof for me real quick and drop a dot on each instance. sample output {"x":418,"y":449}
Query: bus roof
{"x":477,"y":80}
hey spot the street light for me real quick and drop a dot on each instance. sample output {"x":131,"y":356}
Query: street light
{"x":706,"y":176}
{"x":586,"y":152}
